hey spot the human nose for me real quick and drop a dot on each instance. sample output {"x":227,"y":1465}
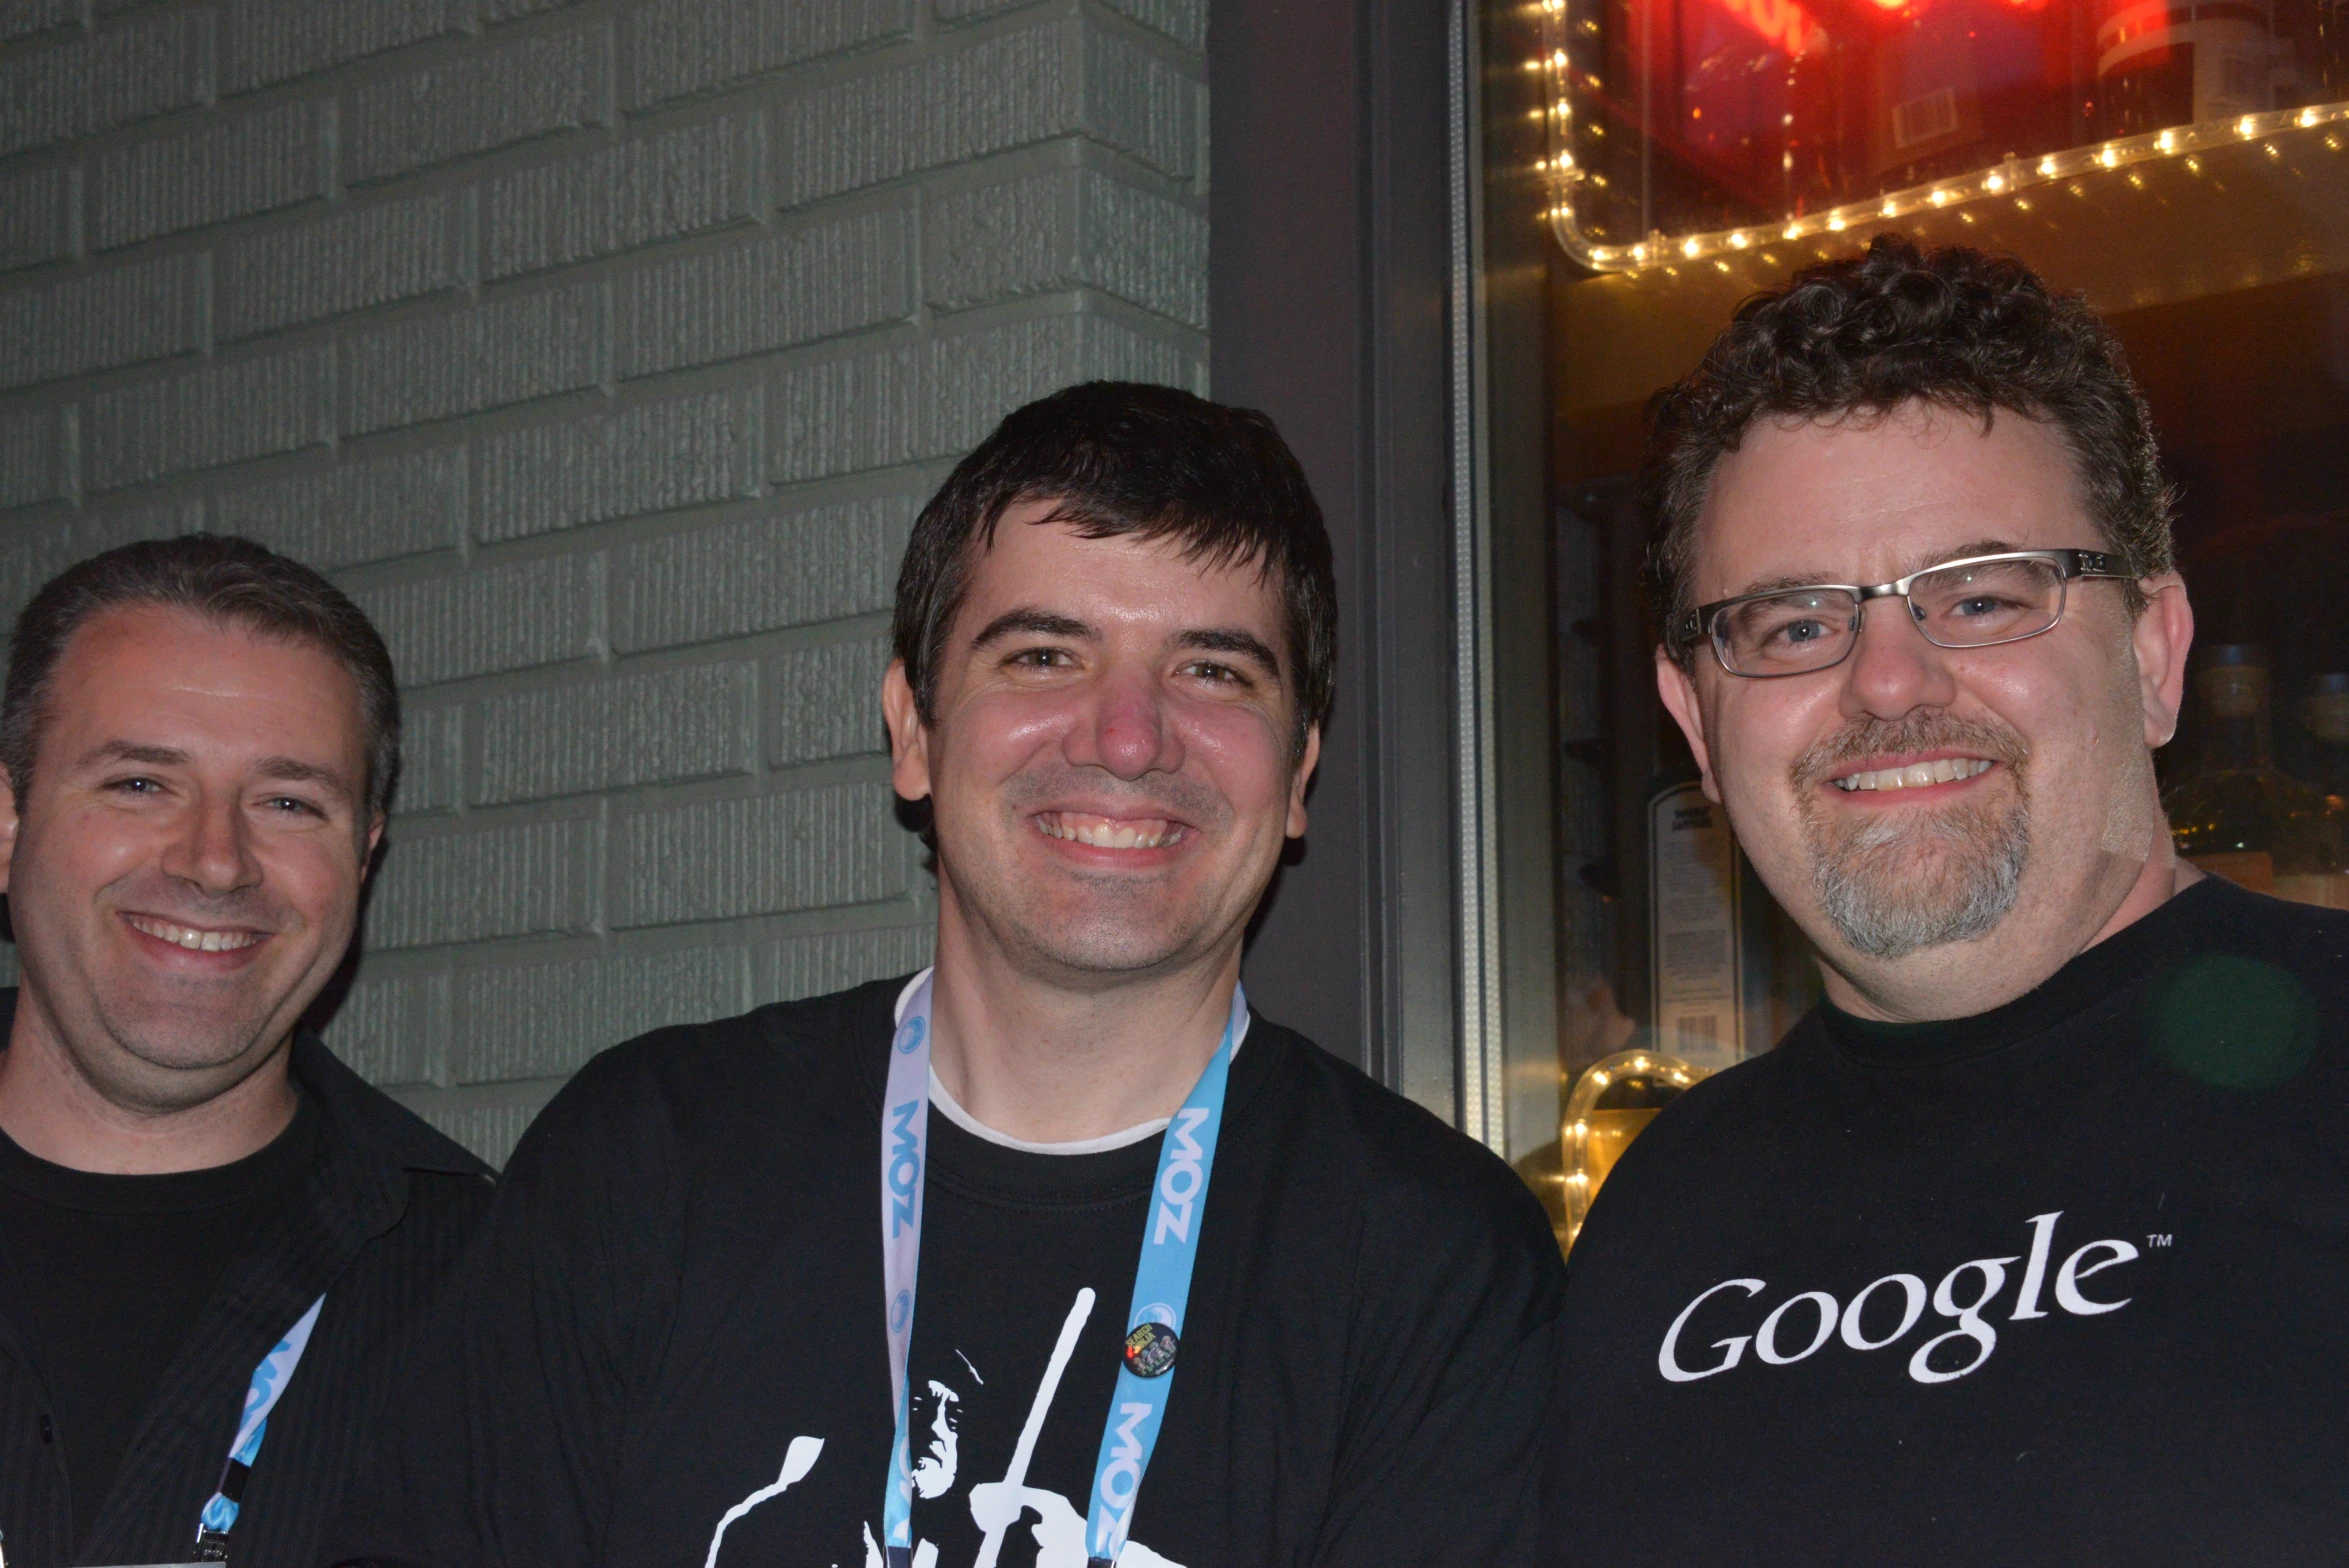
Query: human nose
{"x":212,"y":850}
{"x":1128,"y":730}
{"x":1893,"y":669}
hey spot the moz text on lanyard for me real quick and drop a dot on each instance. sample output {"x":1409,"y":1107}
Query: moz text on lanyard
{"x":1162,"y":1280}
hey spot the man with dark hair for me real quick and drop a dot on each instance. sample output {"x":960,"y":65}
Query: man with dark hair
{"x":2023,"y":1247}
{"x":1190,"y":1291}
{"x":211,"y":1232}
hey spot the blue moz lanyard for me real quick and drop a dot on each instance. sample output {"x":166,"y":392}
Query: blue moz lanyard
{"x":261,"y":1396}
{"x":1162,"y":1279}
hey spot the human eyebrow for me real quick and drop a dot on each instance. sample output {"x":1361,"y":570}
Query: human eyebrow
{"x":293,"y":770}
{"x":133,"y":751}
{"x":1231,"y":640}
{"x":1033,"y":622}
{"x":1789,"y":584}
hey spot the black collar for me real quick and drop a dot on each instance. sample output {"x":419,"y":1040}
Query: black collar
{"x":2138,"y":951}
{"x":372,"y":1143}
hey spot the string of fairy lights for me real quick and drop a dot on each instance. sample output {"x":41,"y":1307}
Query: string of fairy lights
{"x":2012,"y":179}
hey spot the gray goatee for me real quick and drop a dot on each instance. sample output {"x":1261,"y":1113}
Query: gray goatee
{"x":1921,"y":878}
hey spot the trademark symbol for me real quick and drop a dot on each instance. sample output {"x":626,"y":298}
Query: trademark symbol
{"x":2157,"y":1241}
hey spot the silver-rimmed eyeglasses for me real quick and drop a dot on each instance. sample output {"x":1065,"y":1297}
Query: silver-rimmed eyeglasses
{"x":1977,"y":602}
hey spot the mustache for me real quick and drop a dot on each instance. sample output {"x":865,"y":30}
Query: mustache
{"x":1927,"y":730}
{"x":1162,"y":795}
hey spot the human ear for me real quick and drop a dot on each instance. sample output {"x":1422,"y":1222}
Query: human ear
{"x":1304,"y":776}
{"x":7,"y":829}
{"x":909,"y":737}
{"x":2163,"y":633}
{"x":1679,"y":692}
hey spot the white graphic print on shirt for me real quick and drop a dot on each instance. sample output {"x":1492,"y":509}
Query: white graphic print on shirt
{"x":997,"y":1507}
{"x":1971,"y":1339}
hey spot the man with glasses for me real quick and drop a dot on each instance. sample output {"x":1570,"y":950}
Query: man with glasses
{"x":2025,"y":1245}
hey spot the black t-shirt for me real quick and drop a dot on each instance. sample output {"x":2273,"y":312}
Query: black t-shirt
{"x":105,"y":1275}
{"x":2066,"y":1282}
{"x":675,"y":1327}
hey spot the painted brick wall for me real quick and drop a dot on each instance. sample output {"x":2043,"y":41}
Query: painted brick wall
{"x":604,"y":351}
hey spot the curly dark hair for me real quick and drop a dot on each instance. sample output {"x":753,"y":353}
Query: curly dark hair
{"x":1124,"y":457}
{"x":1866,"y":335}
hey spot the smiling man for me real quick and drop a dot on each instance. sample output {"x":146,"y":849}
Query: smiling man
{"x":200,"y":1209}
{"x":2024,"y":1246}
{"x":1054,"y":1253}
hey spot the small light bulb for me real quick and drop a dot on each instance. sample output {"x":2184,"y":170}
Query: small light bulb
{"x":1691,"y":249}
{"x":2247,"y":126}
{"x":1737,"y":241}
{"x":1995,"y":184}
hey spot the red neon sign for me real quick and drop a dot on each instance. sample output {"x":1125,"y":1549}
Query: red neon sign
{"x":1782,"y":24}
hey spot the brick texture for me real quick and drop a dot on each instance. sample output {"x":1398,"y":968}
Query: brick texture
{"x":32,"y":467}
{"x":271,"y":40}
{"x":651,"y":458}
{"x":21,"y":17}
{"x":623,"y":197}
{"x":826,"y":702}
{"x":37,"y":216}
{"x":658,"y":727}
{"x":530,"y":89}
{"x":99,"y":320}
{"x":469,"y":359}
{"x":531,"y":879}
{"x":1075,"y":228}
{"x":385,"y":1030}
{"x":835,"y":960}
{"x":375,"y":510}
{"x":689,"y":46}
{"x":761,"y":574}
{"x":940,"y":396}
{"x":811,"y":283}
{"x":189,"y":180}
{"x":109,"y":78}
{"x":545,"y":1020}
{"x":205,"y":418}
{"x":1182,"y":20}
{"x":1001,"y":91}
{"x":767,"y":854}
{"x":369,"y":256}
{"x":497,"y":618}
{"x":604,"y":351}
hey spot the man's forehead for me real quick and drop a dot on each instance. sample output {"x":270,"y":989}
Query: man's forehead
{"x":1054,"y":566}
{"x":1869,"y":501}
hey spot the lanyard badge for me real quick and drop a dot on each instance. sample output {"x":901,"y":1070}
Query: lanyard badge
{"x":1162,"y":1278}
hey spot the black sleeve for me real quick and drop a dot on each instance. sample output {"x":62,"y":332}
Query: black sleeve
{"x":501,"y":1450}
{"x":1455,"y":1378}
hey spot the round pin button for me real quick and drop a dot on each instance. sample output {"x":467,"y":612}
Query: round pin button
{"x":1150,"y":1349}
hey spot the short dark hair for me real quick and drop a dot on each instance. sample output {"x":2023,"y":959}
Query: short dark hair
{"x":1864,"y":336}
{"x":225,"y":579}
{"x":1122,"y":457}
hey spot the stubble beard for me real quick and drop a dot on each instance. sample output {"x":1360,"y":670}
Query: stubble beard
{"x":1122,"y":925}
{"x":1918,"y":879}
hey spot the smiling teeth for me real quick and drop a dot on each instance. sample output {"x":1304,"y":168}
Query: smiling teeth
{"x":193,"y":940}
{"x":1947,"y":771}
{"x":1105,"y":834}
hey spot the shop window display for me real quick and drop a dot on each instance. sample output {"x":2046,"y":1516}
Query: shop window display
{"x":2184,"y":166}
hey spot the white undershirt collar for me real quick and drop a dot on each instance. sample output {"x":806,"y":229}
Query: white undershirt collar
{"x":946,"y":1102}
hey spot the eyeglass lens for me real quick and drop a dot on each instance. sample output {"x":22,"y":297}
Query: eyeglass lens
{"x":1960,"y":607}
